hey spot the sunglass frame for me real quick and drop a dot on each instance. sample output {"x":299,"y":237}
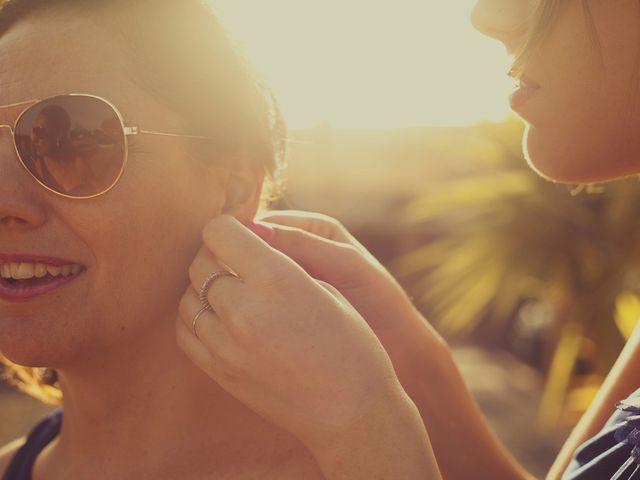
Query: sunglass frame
{"x":127,"y":131}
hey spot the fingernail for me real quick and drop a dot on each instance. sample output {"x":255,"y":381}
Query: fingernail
{"x":264,"y":231}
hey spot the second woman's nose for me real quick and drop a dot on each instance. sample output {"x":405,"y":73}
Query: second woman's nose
{"x":505,"y":20}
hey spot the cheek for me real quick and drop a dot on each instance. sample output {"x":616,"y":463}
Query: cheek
{"x":127,"y":296}
{"x":144,"y":266}
{"x":591,"y":115}
{"x":593,"y":139}
{"x":142,"y":241}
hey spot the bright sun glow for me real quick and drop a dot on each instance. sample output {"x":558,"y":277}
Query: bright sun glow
{"x":373,"y":64}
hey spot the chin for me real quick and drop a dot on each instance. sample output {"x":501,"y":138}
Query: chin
{"x":26,"y":357}
{"x":35,"y":347}
{"x":31,"y":353}
{"x":562,"y":161}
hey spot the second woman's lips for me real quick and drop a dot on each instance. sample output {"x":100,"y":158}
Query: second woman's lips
{"x":526,"y":88}
{"x":521,"y":95}
{"x":527,"y":82}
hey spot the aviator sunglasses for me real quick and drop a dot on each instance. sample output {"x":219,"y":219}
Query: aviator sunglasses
{"x":74,"y":145}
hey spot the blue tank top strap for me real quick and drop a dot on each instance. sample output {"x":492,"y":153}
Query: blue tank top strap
{"x":613,"y":454}
{"x":45,"y":431}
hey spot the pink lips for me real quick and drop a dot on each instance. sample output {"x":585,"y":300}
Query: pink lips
{"x":520,"y":96}
{"x":29,"y":289}
{"x":23,"y":293}
{"x":526,"y":89}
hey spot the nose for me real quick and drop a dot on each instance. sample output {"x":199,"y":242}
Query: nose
{"x":508,"y":21}
{"x":20,"y":207}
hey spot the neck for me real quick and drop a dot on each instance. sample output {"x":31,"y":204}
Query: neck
{"x":147,"y":407}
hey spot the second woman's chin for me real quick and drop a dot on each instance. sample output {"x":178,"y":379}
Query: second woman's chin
{"x":579,"y":160}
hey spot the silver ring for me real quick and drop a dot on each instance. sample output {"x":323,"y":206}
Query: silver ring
{"x":194,"y":324}
{"x":206,"y":285}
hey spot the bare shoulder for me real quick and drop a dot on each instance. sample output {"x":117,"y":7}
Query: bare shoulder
{"x":7,"y":452}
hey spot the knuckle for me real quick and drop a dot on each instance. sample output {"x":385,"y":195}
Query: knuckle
{"x":215,"y":226}
{"x":334,"y":222}
{"x":350,"y":250}
{"x":352,"y":259}
{"x":332,"y":227}
{"x":350,"y":253}
{"x":192,"y":270}
{"x":229,"y":363}
{"x":181,"y":338}
{"x":272,"y":271}
{"x":228,"y":375}
{"x":330,"y":221}
{"x":227,"y":356}
{"x":244,"y":329}
{"x":210,"y":227}
{"x":183,"y":306}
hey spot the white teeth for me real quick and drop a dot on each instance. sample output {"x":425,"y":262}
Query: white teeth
{"x":40,"y":270}
{"x":25,"y":271}
{"x":54,"y":271}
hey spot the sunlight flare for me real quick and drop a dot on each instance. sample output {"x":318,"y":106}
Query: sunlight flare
{"x":386,"y":64}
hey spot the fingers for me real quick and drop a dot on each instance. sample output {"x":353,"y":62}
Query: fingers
{"x":194,"y":349}
{"x":213,"y":348}
{"x":223,"y":292}
{"x":315,"y":223}
{"x":234,"y":245}
{"x":322,"y":258}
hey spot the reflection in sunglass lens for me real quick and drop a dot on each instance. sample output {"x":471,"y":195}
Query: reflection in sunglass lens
{"x":72,"y":144}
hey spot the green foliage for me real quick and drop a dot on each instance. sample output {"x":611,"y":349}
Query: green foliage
{"x":502,"y":240}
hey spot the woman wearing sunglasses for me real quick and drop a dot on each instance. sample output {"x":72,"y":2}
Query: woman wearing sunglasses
{"x":293,"y":365}
{"x":134,"y":145}
{"x":578,"y":74}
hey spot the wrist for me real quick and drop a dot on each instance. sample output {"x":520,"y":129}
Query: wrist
{"x":420,"y":351}
{"x":386,"y":440}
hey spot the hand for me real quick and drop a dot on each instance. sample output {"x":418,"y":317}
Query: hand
{"x":328,"y":252}
{"x":288,"y":346}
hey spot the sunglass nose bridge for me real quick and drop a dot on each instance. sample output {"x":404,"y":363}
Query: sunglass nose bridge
{"x":9,"y":127}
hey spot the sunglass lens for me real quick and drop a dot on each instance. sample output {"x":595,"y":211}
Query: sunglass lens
{"x":72,"y":144}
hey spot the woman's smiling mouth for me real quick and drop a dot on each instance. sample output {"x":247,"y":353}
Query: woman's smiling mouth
{"x":22,"y":279}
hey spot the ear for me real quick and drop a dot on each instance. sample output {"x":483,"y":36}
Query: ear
{"x":243,"y":188}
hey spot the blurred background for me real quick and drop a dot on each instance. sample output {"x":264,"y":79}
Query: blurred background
{"x":400,"y":129}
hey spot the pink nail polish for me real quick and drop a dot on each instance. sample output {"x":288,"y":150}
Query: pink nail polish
{"x":265,"y":232}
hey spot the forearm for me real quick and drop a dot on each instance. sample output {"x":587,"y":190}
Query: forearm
{"x":389,"y":442}
{"x":623,"y":380}
{"x":464,"y":445}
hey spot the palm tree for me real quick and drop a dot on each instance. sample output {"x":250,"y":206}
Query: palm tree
{"x":511,"y":253}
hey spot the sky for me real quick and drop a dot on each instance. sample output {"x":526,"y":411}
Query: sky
{"x":373,"y":64}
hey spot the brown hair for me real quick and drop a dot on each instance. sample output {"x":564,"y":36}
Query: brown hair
{"x":182,"y":56}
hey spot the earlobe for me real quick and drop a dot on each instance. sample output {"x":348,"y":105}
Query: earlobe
{"x":243,"y":188}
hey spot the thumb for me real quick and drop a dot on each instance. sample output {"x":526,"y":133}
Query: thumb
{"x":324,"y":259}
